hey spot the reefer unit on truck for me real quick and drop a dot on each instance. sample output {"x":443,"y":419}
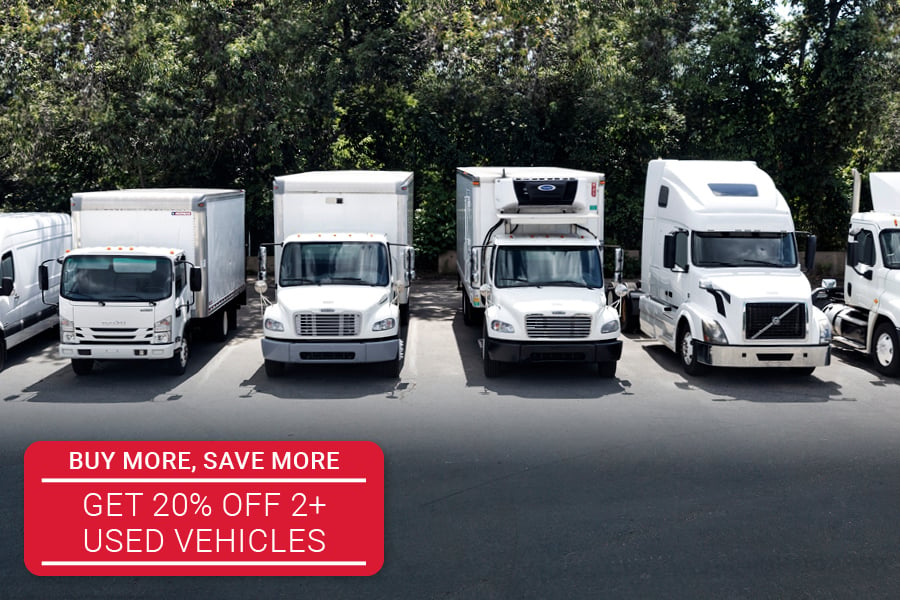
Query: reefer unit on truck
{"x":28,"y":240}
{"x":529,"y":251}
{"x":343,"y":267}
{"x":720,"y":270}
{"x":865,"y":313}
{"x":149,"y":266}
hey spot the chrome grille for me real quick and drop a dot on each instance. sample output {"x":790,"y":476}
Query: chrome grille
{"x":550,"y":326}
{"x":775,"y":321}
{"x":114,"y":335}
{"x":327,"y":324}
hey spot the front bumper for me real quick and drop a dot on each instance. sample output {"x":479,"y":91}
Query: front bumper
{"x":325,"y":352}
{"x":118,"y":351}
{"x":518,"y":352}
{"x":763,"y":356}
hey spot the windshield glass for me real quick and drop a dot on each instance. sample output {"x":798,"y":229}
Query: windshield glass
{"x":110,"y":278}
{"x":744,"y":249}
{"x":559,"y":266}
{"x":890,"y":248}
{"x":334,"y":263}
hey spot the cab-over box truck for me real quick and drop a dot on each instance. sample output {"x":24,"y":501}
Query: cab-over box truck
{"x":865,"y":313}
{"x":28,"y":240}
{"x":148,"y":268}
{"x":343,"y":267}
{"x":720,"y":270}
{"x":529,"y":252}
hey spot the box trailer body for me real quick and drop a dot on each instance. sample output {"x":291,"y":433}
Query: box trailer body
{"x":529,"y":258}
{"x":343,"y":268}
{"x":28,"y":240}
{"x":865,"y":313}
{"x":126,"y":289}
{"x":720,"y":270}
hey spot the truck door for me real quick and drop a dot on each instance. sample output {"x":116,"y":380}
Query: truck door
{"x":862,"y":289}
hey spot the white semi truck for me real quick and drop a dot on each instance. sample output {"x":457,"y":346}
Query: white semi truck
{"x":28,"y":240}
{"x":343,"y":267}
{"x":149,"y":266}
{"x":530,"y":264}
{"x":720,"y":270}
{"x":865,"y":313}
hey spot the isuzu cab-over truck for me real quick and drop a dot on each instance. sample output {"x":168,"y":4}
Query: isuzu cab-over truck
{"x":149,"y":266}
{"x":343,"y":267}
{"x":866,"y":312}
{"x":529,"y":252}
{"x":720,"y":270}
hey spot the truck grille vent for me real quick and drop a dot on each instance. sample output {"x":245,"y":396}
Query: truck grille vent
{"x":114,"y":335}
{"x":775,"y":321}
{"x":327,"y":324}
{"x":543,"y":326}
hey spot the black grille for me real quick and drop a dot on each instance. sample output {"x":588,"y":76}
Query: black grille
{"x":327,"y":355}
{"x":775,"y":321}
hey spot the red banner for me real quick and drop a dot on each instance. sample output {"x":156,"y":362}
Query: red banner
{"x":204,"y":508}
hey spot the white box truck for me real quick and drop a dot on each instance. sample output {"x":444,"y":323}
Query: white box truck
{"x":720,"y":270}
{"x":343,"y":267}
{"x":529,"y":258}
{"x":865,"y":313}
{"x":28,"y":240}
{"x":149,"y":266}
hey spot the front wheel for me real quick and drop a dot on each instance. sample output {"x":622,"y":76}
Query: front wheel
{"x":607,"y":369}
{"x":82,"y":366}
{"x":491,"y":366}
{"x":274,"y":368}
{"x":685,"y":346}
{"x":884,"y":349}
{"x":178,"y":363}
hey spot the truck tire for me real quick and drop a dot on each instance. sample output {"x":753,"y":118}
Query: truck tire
{"x":404,"y":314}
{"x":232,"y":317}
{"x":685,"y":346}
{"x":274,"y":368}
{"x":218,"y":326}
{"x":82,"y":366}
{"x":2,"y":352}
{"x":391,"y":368}
{"x":607,"y":369}
{"x":491,"y":366}
{"x":178,"y":363}
{"x":885,"y":349}
{"x":468,"y":310}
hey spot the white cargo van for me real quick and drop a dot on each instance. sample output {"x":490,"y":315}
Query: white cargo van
{"x":26,"y":241}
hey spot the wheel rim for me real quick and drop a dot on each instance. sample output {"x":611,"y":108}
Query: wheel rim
{"x":183,"y":354}
{"x":884,"y":349}
{"x":687,"y":347}
{"x":224,"y":324}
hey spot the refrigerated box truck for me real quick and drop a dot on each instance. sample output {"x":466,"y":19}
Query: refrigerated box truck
{"x":28,"y":240}
{"x":721,"y":274}
{"x":150,"y":267}
{"x":343,"y":267}
{"x":529,"y":257}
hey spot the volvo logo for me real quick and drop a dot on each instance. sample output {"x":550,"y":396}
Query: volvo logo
{"x":546,"y":187}
{"x":776,"y":321}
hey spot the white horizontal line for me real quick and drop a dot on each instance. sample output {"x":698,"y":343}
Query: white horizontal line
{"x":201,"y":480}
{"x":202,"y":563}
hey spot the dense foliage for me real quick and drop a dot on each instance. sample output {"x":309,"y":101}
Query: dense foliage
{"x":98,"y":94}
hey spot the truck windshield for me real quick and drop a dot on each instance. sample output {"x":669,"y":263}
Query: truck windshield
{"x":548,"y":266}
{"x":890,"y":248}
{"x":334,"y":263}
{"x":744,"y":249}
{"x":111,"y":278}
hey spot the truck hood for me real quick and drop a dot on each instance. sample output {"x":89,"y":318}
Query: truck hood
{"x":551,"y":299}
{"x":337,"y":298}
{"x":761,"y":287}
{"x":137,"y":316}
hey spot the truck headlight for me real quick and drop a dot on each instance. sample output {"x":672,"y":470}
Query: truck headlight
{"x":502,"y":327}
{"x":385,"y":324}
{"x":67,"y":331}
{"x":273,"y":325}
{"x":610,"y":326}
{"x":824,"y":331}
{"x":713,"y":332}
{"x":162,"y":330}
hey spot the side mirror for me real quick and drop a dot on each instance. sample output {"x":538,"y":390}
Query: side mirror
{"x":669,"y":252}
{"x":475,"y":267}
{"x":618,"y":264}
{"x":43,"y":278}
{"x":263,"y":257}
{"x":410,"y":263}
{"x":810,"y":253}
{"x":196,"y":279}
{"x":851,"y":252}
{"x":6,"y":286}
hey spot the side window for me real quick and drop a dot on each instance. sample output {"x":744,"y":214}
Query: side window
{"x":6,"y":267}
{"x":180,"y":277}
{"x":681,"y":249}
{"x":865,"y":253}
